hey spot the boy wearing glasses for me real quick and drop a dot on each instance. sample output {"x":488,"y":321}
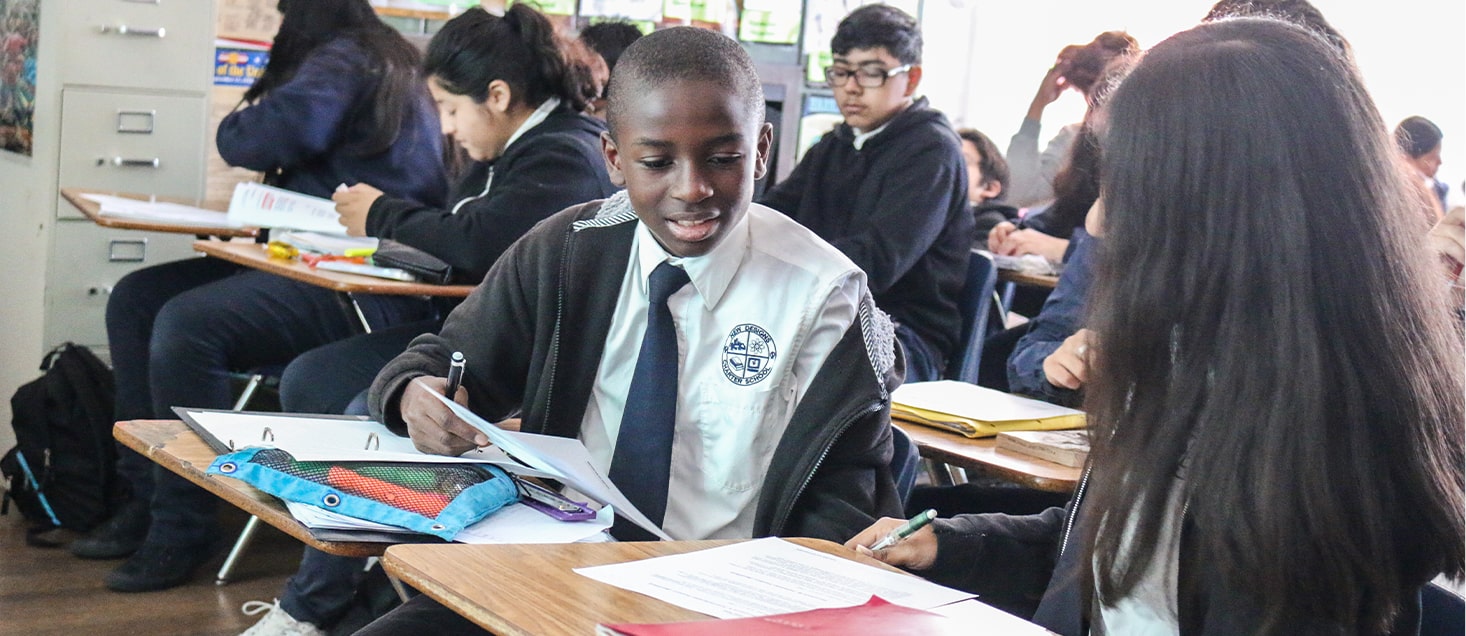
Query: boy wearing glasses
{"x":888,"y":187}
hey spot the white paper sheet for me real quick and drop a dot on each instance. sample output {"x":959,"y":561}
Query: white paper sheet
{"x":982,"y":618}
{"x":160,"y":211}
{"x":565,"y":458}
{"x":975,"y":402}
{"x":767,"y":576}
{"x":325,"y":243}
{"x":258,"y":205}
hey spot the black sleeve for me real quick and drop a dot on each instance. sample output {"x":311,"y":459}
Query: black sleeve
{"x":1007,"y":560}
{"x":554,"y":176}
{"x":302,"y":118}
{"x":786,"y":195}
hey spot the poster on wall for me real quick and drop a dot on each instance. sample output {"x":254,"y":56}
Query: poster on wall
{"x":20,"y":25}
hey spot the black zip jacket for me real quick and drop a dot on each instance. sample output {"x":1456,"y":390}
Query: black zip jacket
{"x":897,"y":208}
{"x":536,"y":328}
{"x":554,"y":165}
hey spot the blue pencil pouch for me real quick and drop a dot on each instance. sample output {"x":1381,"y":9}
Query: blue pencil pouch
{"x":436,"y":499}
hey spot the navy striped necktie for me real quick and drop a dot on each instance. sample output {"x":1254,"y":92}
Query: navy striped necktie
{"x":642,"y":462}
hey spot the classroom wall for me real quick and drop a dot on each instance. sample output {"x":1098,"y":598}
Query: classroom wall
{"x":985,"y":59}
{"x":27,"y":195}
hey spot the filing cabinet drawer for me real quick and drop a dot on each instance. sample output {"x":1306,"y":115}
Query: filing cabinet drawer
{"x":131,"y":142}
{"x":155,"y":44}
{"x":86,"y":262}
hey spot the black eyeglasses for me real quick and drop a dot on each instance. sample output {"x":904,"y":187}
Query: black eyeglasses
{"x":865,"y":76}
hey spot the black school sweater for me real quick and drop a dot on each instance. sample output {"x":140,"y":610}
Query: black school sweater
{"x":897,"y":208}
{"x":551,"y":167}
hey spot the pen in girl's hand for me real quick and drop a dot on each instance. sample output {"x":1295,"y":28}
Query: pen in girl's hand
{"x":905,"y":530}
{"x":455,"y":375}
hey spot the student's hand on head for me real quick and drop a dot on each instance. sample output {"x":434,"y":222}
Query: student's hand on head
{"x":1448,"y":240}
{"x":916,"y":552}
{"x":433,"y":428}
{"x":998,"y":234}
{"x":1033,"y":242}
{"x":1068,"y":366}
{"x":1052,"y":85}
{"x":353,"y":204}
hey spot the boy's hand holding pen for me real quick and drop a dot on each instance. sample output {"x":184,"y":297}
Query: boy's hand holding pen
{"x":433,"y":428}
{"x":905,"y":543}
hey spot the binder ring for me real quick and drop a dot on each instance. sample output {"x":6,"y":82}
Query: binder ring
{"x":267,"y":435}
{"x":373,"y":442}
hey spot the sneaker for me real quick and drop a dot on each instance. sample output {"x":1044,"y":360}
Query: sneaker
{"x":159,"y":567}
{"x":277,"y":622}
{"x":118,"y":536}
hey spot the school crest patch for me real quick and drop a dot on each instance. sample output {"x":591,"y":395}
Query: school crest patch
{"x":748,"y":355}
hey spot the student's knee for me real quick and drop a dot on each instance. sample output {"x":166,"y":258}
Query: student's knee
{"x":302,"y":384}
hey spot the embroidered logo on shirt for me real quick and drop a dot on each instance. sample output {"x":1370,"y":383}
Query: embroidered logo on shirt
{"x":748,"y":355}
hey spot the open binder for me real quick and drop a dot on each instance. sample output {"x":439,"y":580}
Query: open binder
{"x":975,"y":411}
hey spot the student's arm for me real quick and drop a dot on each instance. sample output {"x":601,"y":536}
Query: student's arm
{"x":917,"y":196}
{"x":493,"y":328}
{"x":1031,"y":173}
{"x":552,"y":177}
{"x":300,"y":119}
{"x":1059,"y":319}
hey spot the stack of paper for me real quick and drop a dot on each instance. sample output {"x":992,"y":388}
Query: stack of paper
{"x":160,"y":211}
{"x":1069,"y":448}
{"x":976,"y":411}
{"x":319,"y":243}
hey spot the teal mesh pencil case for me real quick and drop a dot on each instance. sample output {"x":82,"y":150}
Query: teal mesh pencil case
{"x":436,"y":499}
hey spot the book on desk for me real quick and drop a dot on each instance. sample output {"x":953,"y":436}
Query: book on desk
{"x":974,"y":411}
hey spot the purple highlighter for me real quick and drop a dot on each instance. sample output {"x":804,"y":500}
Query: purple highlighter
{"x":553,"y":503}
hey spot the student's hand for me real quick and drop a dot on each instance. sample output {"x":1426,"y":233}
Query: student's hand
{"x":1033,"y":242}
{"x":1448,"y":240}
{"x":998,"y":234}
{"x":916,"y":552}
{"x":433,"y":428}
{"x":511,"y":424}
{"x":1068,"y":366}
{"x":1053,"y":84}
{"x":353,"y":204}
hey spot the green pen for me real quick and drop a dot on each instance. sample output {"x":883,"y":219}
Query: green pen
{"x":905,"y":529}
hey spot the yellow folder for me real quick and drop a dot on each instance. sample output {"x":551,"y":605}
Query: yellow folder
{"x":974,"y":411}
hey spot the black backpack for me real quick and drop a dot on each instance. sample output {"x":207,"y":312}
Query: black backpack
{"x":62,"y":471}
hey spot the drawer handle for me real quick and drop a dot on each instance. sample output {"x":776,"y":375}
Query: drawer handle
{"x":127,"y":250}
{"x":127,"y":30}
{"x":136,"y":122}
{"x":124,"y":162}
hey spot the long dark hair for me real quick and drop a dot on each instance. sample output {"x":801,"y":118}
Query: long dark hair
{"x":1270,"y":333}
{"x":307,"y":24}
{"x":522,"y":49}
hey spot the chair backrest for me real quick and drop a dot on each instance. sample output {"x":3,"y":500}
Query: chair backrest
{"x":975,"y":304}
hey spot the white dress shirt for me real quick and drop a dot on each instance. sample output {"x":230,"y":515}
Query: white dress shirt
{"x":762,"y":312}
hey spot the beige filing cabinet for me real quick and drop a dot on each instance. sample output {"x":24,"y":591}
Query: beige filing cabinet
{"x":139,"y":111}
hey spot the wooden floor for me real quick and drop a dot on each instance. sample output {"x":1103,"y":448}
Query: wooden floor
{"x":47,"y":591}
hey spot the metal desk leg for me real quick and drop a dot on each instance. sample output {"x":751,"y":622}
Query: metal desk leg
{"x":245,"y":536}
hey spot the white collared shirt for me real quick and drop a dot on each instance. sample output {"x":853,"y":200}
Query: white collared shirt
{"x":763,"y":310}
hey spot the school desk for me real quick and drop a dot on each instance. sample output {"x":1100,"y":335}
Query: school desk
{"x":176,"y":447}
{"x":519,"y":590}
{"x":93,"y":211}
{"x":983,"y":455}
{"x":345,"y":285}
{"x":1030,"y":280}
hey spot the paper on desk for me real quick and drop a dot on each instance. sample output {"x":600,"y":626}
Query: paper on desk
{"x":514,"y":523}
{"x":259,"y":205}
{"x":975,"y":402}
{"x":337,"y":439}
{"x":767,"y":576}
{"x":987,"y":619}
{"x":563,"y":457}
{"x":160,"y":211}
{"x":325,"y":243}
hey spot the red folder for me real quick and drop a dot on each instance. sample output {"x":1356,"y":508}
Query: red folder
{"x":876,"y":618}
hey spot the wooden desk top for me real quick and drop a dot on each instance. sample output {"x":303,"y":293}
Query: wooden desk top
{"x":173,"y":445}
{"x":93,"y":210}
{"x":984,"y":455}
{"x":253,"y":255}
{"x":1031,"y":280}
{"x":518,"y":590}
